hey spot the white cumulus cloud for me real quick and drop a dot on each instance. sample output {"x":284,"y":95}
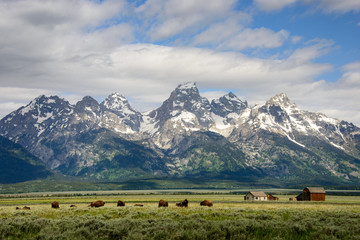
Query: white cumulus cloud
{"x":77,"y":48}
{"x":258,"y":38}
{"x":328,"y":6}
{"x":339,"y":6}
{"x":273,"y":5}
{"x":173,"y":17}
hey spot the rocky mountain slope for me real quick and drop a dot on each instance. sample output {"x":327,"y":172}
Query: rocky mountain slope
{"x":18,"y":165}
{"x":187,"y":135}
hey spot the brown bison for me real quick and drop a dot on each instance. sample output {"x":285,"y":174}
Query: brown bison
{"x":138,"y":205}
{"x":163,"y":203}
{"x":120,"y":203}
{"x":24,"y":208}
{"x":72,"y":205}
{"x":98,"y":203}
{"x":206,"y":203}
{"x":183,"y":203}
{"x":55,"y":204}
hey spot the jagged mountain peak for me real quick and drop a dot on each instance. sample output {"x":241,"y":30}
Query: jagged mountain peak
{"x":228,"y":103}
{"x":120,"y":106}
{"x":40,"y":98}
{"x":88,"y":103}
{"x":88,"y":99}
{"x":35,"y":118}
{"x":277,"y":138}
{"x":43,"y":99}
{"x":43,"y":104}
{"x":231,"y":95}
{"x":116,"y":102}
{"x":116,"y":97}
{"x":186,"y":89}
{"x":187,"y":85}
{"x":280,"y":99}
{"x":277,"y":110}
{"x":184,"y":105}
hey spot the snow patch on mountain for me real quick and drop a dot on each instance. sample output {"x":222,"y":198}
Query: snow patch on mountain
{"x":148,"y":125}
{"x":187,"y":85}
{"x":337,"y":146}
{"x":127,"y":131}
{"x":118,"y":102}
{"x":220,"y":122}
{"x":175,"y":126}
{"x":186,"y":121}
{"x":186,"y":117}
{"x":42,"y":119}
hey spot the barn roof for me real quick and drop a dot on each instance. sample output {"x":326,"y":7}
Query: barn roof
{"x":316,"y":189}
{"x":258,"y":194}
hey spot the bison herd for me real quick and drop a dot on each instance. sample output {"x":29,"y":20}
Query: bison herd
{"x":100,"y":203}
{"x":23,"y":208}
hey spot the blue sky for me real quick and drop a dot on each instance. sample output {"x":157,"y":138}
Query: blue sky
{"x":307,"y":49}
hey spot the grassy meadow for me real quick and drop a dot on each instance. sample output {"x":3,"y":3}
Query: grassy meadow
{"x":230,"y":218}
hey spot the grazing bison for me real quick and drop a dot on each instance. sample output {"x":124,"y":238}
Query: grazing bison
{"x":98,"y":203}
{"x":183,"y":203}
{"x":163,"y":203}
{"x":120,"y":203}
{"x":138,"y":205}
{"x":206,"y":203}
{"x":26,"y":208}
{"x":72,"y":205}
{"x":55,"y":204}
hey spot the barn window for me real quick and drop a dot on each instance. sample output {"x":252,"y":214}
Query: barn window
{"x":256,"y":197}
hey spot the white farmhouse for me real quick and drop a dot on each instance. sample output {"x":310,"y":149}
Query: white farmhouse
{"x":257,"y":196}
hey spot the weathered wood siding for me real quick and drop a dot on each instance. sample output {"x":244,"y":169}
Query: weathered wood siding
{"x":307,"y":195}
{"x":249,"y":196}
{"x":272,"y":198}
{"x":317,"y":196}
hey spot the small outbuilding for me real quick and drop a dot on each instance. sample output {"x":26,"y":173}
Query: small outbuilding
{"x":271,"y":197}
{"x":257,"y":196}
{"x":312,"y":194}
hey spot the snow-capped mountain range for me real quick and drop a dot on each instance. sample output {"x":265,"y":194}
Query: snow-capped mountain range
{"x":186,"y":135}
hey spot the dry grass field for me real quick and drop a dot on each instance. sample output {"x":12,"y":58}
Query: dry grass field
{"x":230,"y":218}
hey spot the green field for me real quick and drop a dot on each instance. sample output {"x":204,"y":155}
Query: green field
{"x":230,"y":218}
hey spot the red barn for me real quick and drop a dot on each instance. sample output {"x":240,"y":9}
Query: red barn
{"x":312,"y":194}
{"x":272,"y":198}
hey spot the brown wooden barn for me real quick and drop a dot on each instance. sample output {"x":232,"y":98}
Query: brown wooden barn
{"x":271,"y":197}
{"x":312,"y":194}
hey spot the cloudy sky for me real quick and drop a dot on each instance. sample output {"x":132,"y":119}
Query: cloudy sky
{"x":308,"y":49}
